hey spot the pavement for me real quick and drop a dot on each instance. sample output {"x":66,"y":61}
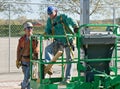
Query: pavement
{"x":10,"y":80}
{"x":13,"y":80}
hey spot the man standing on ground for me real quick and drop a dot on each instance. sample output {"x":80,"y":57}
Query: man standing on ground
{"x":23,"y":54}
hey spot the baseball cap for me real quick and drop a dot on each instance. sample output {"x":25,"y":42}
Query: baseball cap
{"x":28,"y":24}
{"x":50,"y":9}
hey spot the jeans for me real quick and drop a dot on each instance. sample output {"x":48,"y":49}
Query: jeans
{"x":49,"y":53}
{"x":26,"y":71}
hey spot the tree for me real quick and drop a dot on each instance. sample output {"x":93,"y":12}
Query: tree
{"x":21,"y":19}
{"x":15,"y":6}
{"x":73,"y":6}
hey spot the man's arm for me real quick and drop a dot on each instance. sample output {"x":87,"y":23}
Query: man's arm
{"x":70,"y":22}
{"x":35,"y":49}
{"x":19,"y":55}
{"x":19,"y":49}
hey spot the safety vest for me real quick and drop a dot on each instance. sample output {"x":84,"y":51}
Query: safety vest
{"x":23,"y":48}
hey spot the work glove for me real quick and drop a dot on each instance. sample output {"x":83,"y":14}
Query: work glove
{"x":35,"y":56}
{"x":76,"y":29}
{"x":18,"y":64}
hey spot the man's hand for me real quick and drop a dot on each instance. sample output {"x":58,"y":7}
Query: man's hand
{"x":18,"y":64}
{"x":76,"y":29}
{"x":35,"y":56}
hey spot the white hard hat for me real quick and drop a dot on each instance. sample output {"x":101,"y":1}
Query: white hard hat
{"x":28,"y":24}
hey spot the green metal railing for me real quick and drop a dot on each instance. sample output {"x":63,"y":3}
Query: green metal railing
{"x":79,"y":81}
{"x":115,"y":31}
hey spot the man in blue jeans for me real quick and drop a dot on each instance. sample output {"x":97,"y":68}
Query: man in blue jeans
{"x":23,"y":54}
{"x":60,"y":25}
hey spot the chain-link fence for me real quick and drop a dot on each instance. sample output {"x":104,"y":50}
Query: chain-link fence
{"x":106,"y":15}
{"x":11,"y":27}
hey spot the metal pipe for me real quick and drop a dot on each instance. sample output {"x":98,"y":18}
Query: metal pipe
{"x":114,"y":21}
{"x":84,"y":9}
{"x":9,"y":39}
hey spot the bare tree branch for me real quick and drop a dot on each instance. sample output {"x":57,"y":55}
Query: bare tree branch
{"x":95,"y":8}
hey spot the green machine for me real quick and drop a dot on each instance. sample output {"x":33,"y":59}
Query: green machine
{"x":97,"y":60}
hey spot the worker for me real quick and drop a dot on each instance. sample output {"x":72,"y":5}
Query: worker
{"x":23,"y":53}
{"x":60,"y":25}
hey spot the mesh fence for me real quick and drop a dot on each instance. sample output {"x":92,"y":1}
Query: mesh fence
{"x":106,"y":15}
{"x":11,"y":28}
{"x":13,"y":18}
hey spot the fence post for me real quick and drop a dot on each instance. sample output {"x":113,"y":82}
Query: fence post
{"x":9,"y":39}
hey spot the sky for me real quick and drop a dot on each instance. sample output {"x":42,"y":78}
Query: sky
{"x":36,"y":1}
{"x":35,"y":14}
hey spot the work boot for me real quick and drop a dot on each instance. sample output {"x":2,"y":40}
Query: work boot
{"x":65,"y":81}
{"x":50,"y":72}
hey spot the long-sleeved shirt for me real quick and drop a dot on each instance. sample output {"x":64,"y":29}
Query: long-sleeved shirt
{"x":23,"y":49}
{"x":60,"y":25}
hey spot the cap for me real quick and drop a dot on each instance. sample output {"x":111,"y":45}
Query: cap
{"x":28,"y":24}
{"x":50,"y":9}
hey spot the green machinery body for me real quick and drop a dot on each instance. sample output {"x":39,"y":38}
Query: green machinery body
{"x":99,"y":50}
